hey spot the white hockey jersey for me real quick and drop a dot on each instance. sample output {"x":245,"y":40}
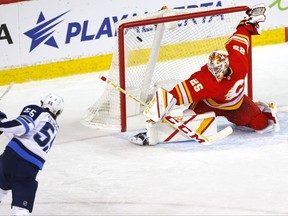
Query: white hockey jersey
{"x":33,"y":133}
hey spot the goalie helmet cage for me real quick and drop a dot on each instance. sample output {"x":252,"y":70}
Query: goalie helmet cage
{"x":158,"y":50}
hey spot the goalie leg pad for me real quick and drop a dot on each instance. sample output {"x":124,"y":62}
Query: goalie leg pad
{"x":152,"y":132}
{"x":161,"y":132}
{"x":204,"y":124}
{"x":270,"y":111}
{"x":160,"y":105}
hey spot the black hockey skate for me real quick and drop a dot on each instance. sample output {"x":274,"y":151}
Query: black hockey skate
{"x":140,"y":139}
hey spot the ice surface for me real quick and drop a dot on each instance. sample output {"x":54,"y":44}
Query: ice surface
{"x":96,"y":172}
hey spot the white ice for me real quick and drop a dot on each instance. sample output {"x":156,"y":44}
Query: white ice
{"x":97,"y":172}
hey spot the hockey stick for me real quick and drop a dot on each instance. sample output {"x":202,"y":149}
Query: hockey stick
{"x":182,"y":128}
{"x":7,"y":90}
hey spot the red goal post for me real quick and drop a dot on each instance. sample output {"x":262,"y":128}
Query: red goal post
{"x":151,"y":50}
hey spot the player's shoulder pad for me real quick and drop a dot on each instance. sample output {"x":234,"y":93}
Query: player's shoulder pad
{"x":32,"y":110}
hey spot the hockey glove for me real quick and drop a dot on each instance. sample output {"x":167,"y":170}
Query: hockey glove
{"x":160,"y":105}
{"x":2,"y":116}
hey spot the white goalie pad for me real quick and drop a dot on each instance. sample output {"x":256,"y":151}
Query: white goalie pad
{"x":162,"y":132}
{"x":160,"y":105}
{"x":270,"y":110}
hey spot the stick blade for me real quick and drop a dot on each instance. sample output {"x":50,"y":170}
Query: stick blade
{"x":220,"y":135}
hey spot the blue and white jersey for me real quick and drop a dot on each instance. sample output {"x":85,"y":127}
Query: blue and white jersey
{"x":33,"y":134}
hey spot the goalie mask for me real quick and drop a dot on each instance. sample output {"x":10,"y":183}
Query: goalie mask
{"x":218,"y":64}
{"x":53,"y":103}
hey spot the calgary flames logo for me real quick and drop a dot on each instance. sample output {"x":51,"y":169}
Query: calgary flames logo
{"x":236,"y":90}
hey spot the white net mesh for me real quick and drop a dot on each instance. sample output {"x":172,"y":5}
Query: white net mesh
{"x":157,"y":55}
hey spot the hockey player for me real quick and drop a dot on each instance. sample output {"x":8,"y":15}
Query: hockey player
{"x":219,"y":85}
{"x":32,"y":134}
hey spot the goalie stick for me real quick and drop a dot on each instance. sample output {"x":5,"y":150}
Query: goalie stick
{"x":182,"y":128}
{"x":6,"y":91}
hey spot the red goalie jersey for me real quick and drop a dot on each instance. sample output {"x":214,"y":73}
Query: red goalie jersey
{"x":226,"y":96}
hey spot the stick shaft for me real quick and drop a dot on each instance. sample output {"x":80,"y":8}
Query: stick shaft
{"x":7,"y":90}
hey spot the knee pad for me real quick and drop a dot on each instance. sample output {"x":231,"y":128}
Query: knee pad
{"x":259,"y":122}
{"x":18,"y":211}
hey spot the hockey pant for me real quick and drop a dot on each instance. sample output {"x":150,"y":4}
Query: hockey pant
{"x":248,"y":114}
{"x":18,"y":176}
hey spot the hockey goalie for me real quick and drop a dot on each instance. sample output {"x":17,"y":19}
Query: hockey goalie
{"x":217,"y":89}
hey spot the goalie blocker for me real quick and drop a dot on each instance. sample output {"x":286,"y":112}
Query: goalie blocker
{"x":160,"y":105}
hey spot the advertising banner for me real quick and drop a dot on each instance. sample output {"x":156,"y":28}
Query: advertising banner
{"x":41,"y":32}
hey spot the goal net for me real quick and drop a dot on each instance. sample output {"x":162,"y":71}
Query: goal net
{"x":158,"y":50}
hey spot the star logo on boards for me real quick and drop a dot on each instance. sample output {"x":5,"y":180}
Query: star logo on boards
{"x":43,"y":32}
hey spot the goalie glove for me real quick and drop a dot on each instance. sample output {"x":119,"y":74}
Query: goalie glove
{"x":160,"y":105}
{"x":256,"y":14}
